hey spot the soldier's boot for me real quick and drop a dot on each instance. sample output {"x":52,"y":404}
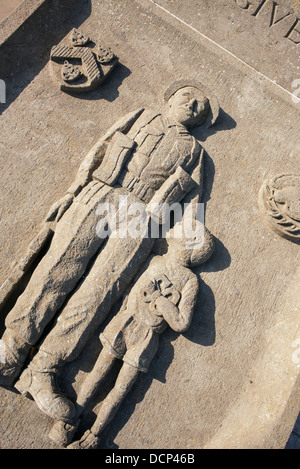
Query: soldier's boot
{"x":63,"y":433}
{"x":13,"y":353}
{"x":41,"y":383}
{"x":88,"y":441}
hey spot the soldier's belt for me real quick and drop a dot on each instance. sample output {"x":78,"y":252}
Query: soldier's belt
{"x":139,"y":188}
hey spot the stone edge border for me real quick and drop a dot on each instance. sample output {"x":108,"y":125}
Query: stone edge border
{"x":13,"y":22}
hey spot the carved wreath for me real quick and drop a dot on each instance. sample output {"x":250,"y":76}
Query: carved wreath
{"x":274,"y":212}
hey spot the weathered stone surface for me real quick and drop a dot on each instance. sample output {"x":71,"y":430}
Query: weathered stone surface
{"x":233,"y":377}
{"x":263,"y":33}
{"x":7,"y":7}
{"x":14,"y":13}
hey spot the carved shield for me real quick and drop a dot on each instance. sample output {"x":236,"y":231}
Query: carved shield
{"x":80,"y":65}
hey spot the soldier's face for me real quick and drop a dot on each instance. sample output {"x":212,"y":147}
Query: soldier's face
{"x":189,"y":106}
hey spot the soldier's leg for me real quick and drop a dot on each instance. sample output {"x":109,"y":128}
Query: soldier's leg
{"x":94,"y":379}
{"x":63,"y":434}
{"x":111,"y":274}
{"x":74,"y":243}
{"x":109,"y":407}
{"x":113,"y":271}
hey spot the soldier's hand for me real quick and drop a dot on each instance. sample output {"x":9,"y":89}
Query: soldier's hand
{"x":59,"y":208}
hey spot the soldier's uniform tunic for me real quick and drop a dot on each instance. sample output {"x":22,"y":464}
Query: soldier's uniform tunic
{"x":154,"y":149}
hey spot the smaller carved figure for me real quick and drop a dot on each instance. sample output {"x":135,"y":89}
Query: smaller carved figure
{"x":164,"y":295}
{"x":279,"y":202}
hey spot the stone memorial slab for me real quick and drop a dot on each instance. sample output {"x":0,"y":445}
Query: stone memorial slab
{"x":263,"y":33}
{"x":201,"y":108}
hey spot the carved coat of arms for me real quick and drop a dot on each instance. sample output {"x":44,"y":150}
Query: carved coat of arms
{"x":80,"y":65}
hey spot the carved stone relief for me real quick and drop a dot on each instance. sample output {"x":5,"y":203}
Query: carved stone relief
{"x":279,"y":202}
{"x":80,"y":65}
{"x":151,"y":159}
{"x":164,"y":295}
{"x":244,"y":337}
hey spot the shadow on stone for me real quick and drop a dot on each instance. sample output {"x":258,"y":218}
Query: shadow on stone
{"x":294,"y":440}
{"x":27,"y":51}
{"x":224,"y":122}
{"x":109,"y":89}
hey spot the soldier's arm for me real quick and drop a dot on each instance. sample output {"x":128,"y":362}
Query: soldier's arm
{"x":89,"y":164}
{"x":180,"y":317}
{"x":173,"y":190}
{"x":184,"y":185}
{"x":95,"y":155}
{"x":196,"y":173}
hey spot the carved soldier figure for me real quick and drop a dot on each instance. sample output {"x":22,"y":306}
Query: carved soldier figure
{"x":165,"y":294}
{"x":146,"y":157}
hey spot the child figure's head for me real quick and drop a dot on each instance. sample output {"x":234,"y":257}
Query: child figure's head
{"x":189,"y":253}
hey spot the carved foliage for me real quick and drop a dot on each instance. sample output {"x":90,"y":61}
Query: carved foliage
{"x":279,"y":202}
